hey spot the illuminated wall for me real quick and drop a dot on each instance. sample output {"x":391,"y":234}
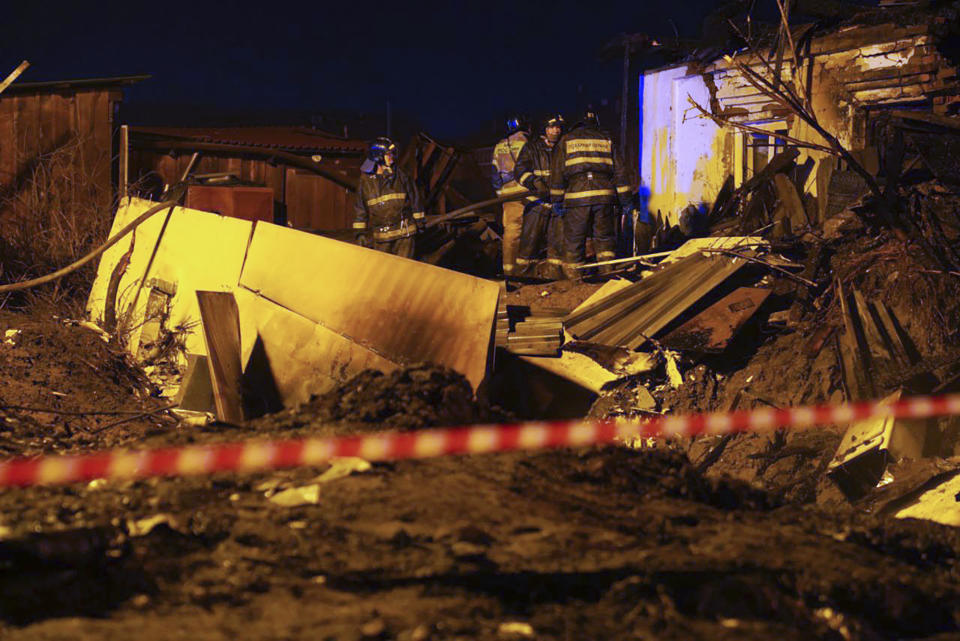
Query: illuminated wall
{"x":683,"y":159}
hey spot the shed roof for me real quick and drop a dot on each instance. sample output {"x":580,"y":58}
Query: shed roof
{"x":295,"y":139}
{"x":74,"y":85}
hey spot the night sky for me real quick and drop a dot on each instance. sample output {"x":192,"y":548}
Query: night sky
{"x":454,"y":67}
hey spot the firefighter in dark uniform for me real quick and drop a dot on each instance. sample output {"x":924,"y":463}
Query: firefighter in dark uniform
{"x":541,"y":226}
{"x":504,"y":161}
{"x":587,"y":181}
{"x":388,"y":210}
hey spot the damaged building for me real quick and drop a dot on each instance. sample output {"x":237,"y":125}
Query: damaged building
{"x":856,"y":76}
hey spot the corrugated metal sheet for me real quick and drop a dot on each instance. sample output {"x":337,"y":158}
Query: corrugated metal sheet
{"x":298,"y":139}
{"x":627,"y":318}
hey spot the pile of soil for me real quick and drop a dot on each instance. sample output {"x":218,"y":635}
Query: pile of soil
{"x":50,"y":364}
{"x":408,"y":398}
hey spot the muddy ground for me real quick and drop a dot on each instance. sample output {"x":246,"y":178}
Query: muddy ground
{"x":610,"y":543}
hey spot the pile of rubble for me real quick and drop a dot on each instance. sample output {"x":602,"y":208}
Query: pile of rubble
{"x":845,"y":297}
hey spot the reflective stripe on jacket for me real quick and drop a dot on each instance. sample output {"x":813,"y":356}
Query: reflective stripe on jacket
{"x":533,"y":168}
{"x":386,"y":201}
{"x":587,"y":171}
{"x":505,"y":156}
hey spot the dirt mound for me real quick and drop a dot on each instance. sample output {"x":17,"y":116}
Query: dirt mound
{"x":92,"y":393}
{"x":406,"y":399}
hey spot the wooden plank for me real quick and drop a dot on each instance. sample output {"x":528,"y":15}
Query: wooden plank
{"x":894,"y":74}
{"x":8,"y":138}
{"x":28,"y":130}
{"x":85,"y":103}
{"x":298,"y":214}
{"x":48,"y":117}
{"x":790,"y":200}
{"x":124,"y":175}
{"x":247,"y":168}
{"x":864,"y":36}
{"x":824,"y":174}
{"x":892,"y":94}
{"x":13,"y":75}
{"x":889,"y":83}
{"x":345,"y":201}
{"x":221,"y":330}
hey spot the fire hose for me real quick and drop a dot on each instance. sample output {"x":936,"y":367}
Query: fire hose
{"x":74,"y":266}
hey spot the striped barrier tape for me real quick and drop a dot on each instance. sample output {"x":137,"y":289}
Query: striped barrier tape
{"x":256,"y":455}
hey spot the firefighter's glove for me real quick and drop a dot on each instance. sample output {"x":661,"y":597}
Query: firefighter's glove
{"x":363,"y":239}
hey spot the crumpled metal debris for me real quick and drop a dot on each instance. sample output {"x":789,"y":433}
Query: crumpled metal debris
{"x":297,"y":496}
{"x":516,"y":629}
{"x":673,"y":371}
{"x":143,"y":527}
{"x":342,"y":467}
{"x":309,"y":494}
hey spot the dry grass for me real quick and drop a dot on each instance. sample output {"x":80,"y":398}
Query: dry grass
{"x":55,"y":215}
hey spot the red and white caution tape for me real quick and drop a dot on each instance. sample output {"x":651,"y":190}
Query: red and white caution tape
{"x":254,"y":455}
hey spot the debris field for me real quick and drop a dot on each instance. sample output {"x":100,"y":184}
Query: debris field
{"x":811,"y":258}
{"x":750,"y":539}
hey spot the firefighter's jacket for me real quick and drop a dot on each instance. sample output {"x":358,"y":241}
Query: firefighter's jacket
{"x":387,"y":206}
{"x":586,"y":171}
{"x":505,"y":156}
{"x":533,"y":169}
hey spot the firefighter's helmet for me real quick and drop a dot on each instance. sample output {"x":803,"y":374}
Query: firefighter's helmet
{"x":516,"y":123}
{"x":380,"y":147}
{"x":554,"y":120}
{"x":590,"y":118}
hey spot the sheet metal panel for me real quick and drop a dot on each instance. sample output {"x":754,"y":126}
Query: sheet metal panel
{"x":629,"y":316}
{"x":194,"y":250}
{"x":402,"y":310}
{"x":712,"y":329}
{"x":304,"y":358}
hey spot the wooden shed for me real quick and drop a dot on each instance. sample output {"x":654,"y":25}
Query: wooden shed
{"x":312,"y":173}
{"x":38,"y":118}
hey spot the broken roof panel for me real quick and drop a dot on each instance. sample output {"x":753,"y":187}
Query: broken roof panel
{"x":629,"y":317}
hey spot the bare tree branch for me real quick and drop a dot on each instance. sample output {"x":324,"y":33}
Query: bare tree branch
{"x":724,"y":122}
